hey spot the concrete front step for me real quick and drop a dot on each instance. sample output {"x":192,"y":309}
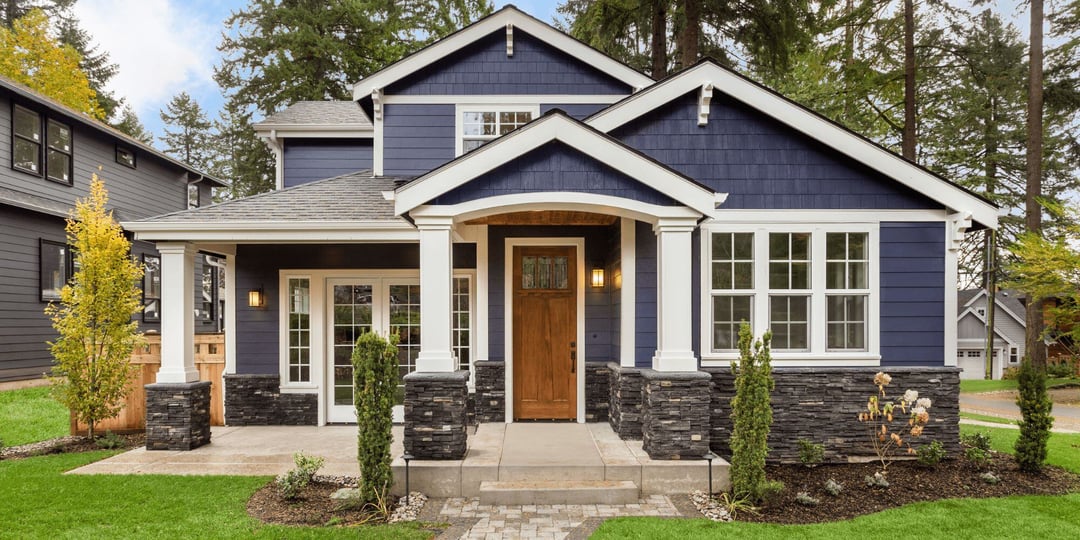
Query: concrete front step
{"x":559,"y":492}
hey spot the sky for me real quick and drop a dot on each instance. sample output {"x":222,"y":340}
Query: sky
{"x":164,"y":47}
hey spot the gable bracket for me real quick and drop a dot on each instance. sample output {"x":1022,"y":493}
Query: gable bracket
{"x":958,"y":224}
{"x":509,"y":39}
{"x":377,"y":103}
{"x":704,"y":97}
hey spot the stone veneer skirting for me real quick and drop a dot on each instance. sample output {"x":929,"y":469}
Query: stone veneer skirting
{"x":822,"y":405}
{"x":625,"y":401}
{"x":436,"y":414}
{"x":256,"y":400}
{"x":676,"y":414}
{"x":177,"y":415}
{"x":490,"y":388}
{"x":597,"y":391}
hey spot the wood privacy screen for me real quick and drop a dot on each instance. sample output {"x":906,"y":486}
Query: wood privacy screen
{"x":209,"y":360}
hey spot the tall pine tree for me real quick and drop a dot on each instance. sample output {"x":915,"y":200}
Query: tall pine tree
{"x":187,"y":132}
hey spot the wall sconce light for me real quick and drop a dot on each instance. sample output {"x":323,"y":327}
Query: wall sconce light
{"x":256,"y":297}
{"x":598,"y":278}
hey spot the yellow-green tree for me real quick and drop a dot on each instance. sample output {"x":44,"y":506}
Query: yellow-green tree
{"x":30,"y":56}
{"x":94,"y":316}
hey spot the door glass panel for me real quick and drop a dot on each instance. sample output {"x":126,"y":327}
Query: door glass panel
{"x":543,"y":272}
{"x":405,"y":322}
{"x":528,"y":269}
{"x":543,"y":276}
{"x":352,"y":317}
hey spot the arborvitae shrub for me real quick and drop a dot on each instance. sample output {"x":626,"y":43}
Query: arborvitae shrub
{"x":1035,"y":406}
{"x":751,"y":410}
{"x":375,"y":380}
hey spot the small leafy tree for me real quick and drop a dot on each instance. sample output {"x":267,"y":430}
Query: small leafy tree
{"x":885,"y":420}
{"x":375,"y":379}
{"x":1035,"y":407}
{"x":751,"y":410}
{"x":94,"y":317}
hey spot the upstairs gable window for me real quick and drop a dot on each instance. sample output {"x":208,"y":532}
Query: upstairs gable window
{"x":27,"y":144}
{"x":483,"y":124}
{"x":41,"y":146}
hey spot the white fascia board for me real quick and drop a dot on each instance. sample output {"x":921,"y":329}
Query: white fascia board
{"x":801,"y":120}
{"x":322,"y":132}
{"x":532,"y":136}
{"x":981,"y":293}
{"x":505,"y":99}
{"x":971,"y":311}
{"x":497,"y":22}
{"x":557,"y":200}
{"x":280,"y":231}
{"x":825,"y":216}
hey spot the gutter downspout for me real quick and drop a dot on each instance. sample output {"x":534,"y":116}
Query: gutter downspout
{"x":274,"y":144}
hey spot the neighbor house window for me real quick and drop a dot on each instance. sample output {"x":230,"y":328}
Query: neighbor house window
{"x":125,"y":156}
{"x":58,"y":164}
{"x":193,"y":196}
{"x":151,"y":288}
{"x":810,"y":285}
{"x":1014,"y":355}
{"x":299,"y":299}
{"x":482,"y":125}
{"x":26,"y":146}
{"x":56,"y":269}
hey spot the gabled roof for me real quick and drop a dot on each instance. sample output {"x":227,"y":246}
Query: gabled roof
{"x":1007,"y":300}
{"x":802,"y":120}
{"x":49,"y":103}
{"x":556,"y":126}
{"x":508,"y":15}
{"x":318,"y":115}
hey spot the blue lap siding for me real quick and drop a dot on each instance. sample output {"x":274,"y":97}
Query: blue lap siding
{"x":912,"y":294}
{"x":307,"y":160}
{"x":645,"y":298}
{"x":417,"y":138}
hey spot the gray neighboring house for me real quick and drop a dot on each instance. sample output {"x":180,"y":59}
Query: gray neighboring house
{"x":48,"y":153}
{"x":971,"y":322}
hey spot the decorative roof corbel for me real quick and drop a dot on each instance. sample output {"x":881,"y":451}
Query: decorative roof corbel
{"x":376,"y":103}
{"x":509,"y":39}
{"x":959,"y":223}
{"x":704,"y":97}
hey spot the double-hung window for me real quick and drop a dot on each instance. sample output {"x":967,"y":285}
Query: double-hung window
{"x":26,"y":145}
{"x":57,"y":266}
{"x":480,"y":125}
{"x":151,"y":288}
{"x":811,"y":285}
{"x":49,"y":155}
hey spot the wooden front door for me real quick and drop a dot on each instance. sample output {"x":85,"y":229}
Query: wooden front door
{"x":545,"y":332}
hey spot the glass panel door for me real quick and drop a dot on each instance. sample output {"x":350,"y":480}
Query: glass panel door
{"x":352,"y":304}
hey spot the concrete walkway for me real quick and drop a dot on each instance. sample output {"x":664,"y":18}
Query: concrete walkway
{"x":1003,"y":405}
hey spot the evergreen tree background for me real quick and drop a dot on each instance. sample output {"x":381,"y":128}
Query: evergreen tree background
{"x":187,"y":132}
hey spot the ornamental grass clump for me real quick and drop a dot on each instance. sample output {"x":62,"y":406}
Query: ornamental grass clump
{"x":375,"y":380}
{"x":892,"y":424}
{"x":751,"y":410}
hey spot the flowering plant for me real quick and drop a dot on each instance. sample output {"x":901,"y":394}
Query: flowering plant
{"x":884,"y":420}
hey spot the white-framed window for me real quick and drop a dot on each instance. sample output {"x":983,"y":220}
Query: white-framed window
{"x":814,"y":285}
{"x":1014,"y":355}
{"x":151,"y":289}
{"x":478,"y":125}
{"x":974,"y":354}
{"x":461,"y":315}
{"x":299,"y":339}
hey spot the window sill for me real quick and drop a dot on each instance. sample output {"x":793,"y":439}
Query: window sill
{"x":298,"y":388}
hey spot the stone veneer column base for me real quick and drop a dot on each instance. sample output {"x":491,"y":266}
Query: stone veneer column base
{"x":490,"y":391}
{"x":177,"y":415}
{"x":256,"y":400}
{"x":597,"y":391}
{"x":625,"y":403}
{"x":436,"y":414}
{"x":676,"y":414}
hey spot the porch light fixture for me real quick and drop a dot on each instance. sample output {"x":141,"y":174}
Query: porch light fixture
{"x":256,"y":297}
{"x":598,"y":278}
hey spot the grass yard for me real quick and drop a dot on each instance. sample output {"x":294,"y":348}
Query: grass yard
{"x":974,"y":386}
{"x":41,"y":502}
{"x":1011,"y":517}
{"x":986,"y":418}
{"x":30,"y":415}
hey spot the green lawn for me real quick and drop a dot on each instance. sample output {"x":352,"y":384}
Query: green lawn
{"x":30,"y":415}
{"x":973,"y":386}
{"x":40,"y":502}
{"x":1011,"y":517}
{"x":986,"y":418}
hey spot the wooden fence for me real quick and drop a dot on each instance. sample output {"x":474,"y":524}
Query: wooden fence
{"x":209,"y":360}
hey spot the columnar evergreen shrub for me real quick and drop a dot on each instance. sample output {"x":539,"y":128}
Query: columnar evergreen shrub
{"x":375,"y":379}
{"x":1035,"y":406}
{"x":751,"y":410}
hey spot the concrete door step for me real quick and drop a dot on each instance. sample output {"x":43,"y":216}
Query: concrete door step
{"x":559,"y":492}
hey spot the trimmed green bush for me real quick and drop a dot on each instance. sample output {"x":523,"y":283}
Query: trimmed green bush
{"x":375,"y":381}
{"x":810,"y":452}
{"x":929,"y":455}
{"x":1035,"y":406}
{"x":751,"y":410}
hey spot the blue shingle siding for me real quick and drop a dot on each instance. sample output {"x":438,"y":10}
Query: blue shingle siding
{"x":417,"y":138}
{"x":912,"y":294}
{"x":645,"y":299}
{"x":760,"y":162}
{"x":307,"y":160}
{"x":579,"y":111}
{"x":598,"y":321}
{"x":484,"y":68}
{"x":259,"y":265}
{"x":554,"y":167}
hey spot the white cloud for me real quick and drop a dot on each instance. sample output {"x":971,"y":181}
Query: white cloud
{"x":161,"y":46}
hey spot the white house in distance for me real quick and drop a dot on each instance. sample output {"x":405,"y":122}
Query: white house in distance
{"x":971,"y":323}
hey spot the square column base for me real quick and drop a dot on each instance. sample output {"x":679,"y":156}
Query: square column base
{"x":177,"y":415}
{"x":436,"y":414}
{"x":676,"y":421}
{"x":625,"y":401}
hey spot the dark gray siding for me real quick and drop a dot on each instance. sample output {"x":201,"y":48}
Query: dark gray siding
{"x":259,"y":265}
{"x":554,"y":167}
{"x":913,"y":294}
{"x":484,"y":68}
{"x":760,"y":162}
{"x":574,"y":110}
{"x":417,"y":138}
{"x":645,"y":299}
{"x":598,"y":321}
{"x":307,"y":160}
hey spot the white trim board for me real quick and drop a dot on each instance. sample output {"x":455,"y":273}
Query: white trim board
{"x":508,"y":316}
{"x":505,"y":99}
{"x":801,"y":120}
{"x":275,"y":231}
{"x":497,"y":22}
{"x":559,"y":201}
{"x":554,"y":127}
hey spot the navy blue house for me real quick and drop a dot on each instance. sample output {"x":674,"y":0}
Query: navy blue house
{"x":554,"y":235}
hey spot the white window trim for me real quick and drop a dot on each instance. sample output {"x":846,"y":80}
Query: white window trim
{"x":461,"y":109}
{"x":818,"y":355}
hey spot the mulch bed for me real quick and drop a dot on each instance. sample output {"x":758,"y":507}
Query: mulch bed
{"x":909,"y":483}
{"x":70,"y":445}
{"x":313,"y":507}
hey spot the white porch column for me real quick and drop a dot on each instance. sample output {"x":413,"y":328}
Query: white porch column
{"x":436,"y":276}
{"x":674,"y":328}
{"x":177,"y":313}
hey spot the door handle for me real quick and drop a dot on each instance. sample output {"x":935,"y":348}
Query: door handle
{"x":573,"y":357}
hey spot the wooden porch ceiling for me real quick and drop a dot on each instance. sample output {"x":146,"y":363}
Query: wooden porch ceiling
{"x":545,"y":217}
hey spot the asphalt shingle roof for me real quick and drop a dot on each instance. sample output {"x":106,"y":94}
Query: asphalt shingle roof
{"x":1008,"y":298}
{"x":351,"y":197}
{"x":343,"y":113}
